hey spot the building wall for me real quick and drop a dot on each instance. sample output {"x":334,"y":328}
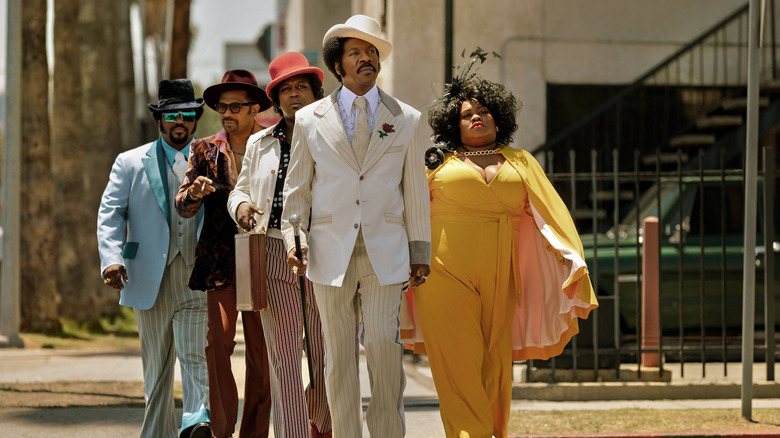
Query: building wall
{"x":540,"y":41}
{"x":307,"y":23}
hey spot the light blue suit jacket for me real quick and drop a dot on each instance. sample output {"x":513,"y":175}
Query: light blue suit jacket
{"x":133,"y":226}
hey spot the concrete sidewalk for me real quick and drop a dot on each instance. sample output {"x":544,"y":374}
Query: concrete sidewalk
{"x":686,"y":390}
{"x":35,"y":366}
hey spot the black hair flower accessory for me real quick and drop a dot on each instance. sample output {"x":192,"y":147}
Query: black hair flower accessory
{"x":464,"y":73}
{"x":433,"y":157}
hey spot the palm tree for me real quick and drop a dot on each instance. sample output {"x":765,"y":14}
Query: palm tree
{"x":40,"y":299}
{"x":103,"y":122}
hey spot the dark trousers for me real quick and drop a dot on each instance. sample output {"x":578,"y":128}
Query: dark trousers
{"x":223,"y":394}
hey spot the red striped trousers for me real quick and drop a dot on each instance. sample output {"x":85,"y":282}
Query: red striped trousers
{"x":293,"y":406}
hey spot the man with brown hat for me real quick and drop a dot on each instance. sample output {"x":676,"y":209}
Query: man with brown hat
{"x":256,"y":204}
{"x":147,"y":252}
{"x":214,"y":165}
{"x":357,"y":175}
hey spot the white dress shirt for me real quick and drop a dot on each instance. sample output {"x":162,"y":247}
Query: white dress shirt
{"x":349,"y":111}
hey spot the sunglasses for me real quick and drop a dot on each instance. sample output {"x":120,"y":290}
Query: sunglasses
{"x":186,"y":116}
{"x":235,"y":107}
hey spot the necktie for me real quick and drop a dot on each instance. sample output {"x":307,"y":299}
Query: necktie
{"x":360,"y":135}
{"x":180,"y":166}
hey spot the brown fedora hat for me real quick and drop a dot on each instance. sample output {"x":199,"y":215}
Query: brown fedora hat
{"x":237,"y":80}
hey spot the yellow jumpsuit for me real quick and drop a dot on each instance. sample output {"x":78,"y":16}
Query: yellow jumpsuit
{"x":467,"y":311}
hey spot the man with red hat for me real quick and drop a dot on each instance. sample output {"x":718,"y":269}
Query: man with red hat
{"x":214,"y":165}
{"x":256,"y":204}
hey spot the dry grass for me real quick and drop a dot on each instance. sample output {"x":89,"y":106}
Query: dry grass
{"x":93,"y":342}
{"x":641,"y":420}
{"x":119,"y":332}
{"x":76,"y":394}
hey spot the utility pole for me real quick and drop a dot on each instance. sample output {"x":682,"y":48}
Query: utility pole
{"x":448,"y":41}
{"x":751,"y":175}
{"x":9,"y":288}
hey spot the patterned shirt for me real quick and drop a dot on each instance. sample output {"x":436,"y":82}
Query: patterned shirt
{"x":275,"y":220}
{"x":215,"y":263}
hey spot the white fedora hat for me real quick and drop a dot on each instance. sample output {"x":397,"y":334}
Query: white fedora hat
{"x":364,"y":28}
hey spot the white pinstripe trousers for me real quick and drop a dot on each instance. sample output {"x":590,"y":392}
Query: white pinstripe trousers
{"x":174,"y":327}
{"x":283,"y":327}
{"x":341,"y":310}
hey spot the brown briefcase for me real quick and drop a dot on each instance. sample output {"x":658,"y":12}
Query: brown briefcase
{"x":251,"y":286}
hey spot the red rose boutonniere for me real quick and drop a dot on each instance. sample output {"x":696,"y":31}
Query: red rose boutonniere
{"x":386,"y":129}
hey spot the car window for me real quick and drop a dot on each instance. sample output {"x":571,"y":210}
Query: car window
{"x":732,"y":204}
{"x":674,"y":216}
{"x":648,"y":204}
{"x":714,"y":208}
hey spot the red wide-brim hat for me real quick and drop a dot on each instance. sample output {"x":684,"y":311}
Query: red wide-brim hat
{"x":287,"y":65}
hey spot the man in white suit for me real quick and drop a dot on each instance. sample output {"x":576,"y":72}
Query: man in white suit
{"x":147,"y":252}
{"x":357,"y":169}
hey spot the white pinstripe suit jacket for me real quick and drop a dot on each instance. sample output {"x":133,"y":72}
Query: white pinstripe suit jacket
{"x":387,"y":196}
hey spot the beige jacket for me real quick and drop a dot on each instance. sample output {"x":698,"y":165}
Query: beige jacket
{"x":386,"y":197}
{"x":257,"y":179}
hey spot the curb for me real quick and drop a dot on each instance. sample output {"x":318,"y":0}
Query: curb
{"x":750,"y":434}
{"x":612,"y":391}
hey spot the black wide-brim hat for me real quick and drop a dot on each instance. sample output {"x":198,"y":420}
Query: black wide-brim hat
{"x":237,"y":80}
{"x":176,"y":94}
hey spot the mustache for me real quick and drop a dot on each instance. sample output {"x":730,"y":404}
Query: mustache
{"x":365,"y":66}
{"x":229,"y":119}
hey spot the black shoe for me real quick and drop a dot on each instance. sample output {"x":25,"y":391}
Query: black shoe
{"x":201,"y":430}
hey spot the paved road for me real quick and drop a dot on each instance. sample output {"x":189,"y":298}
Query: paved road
{"x":422,"y":413}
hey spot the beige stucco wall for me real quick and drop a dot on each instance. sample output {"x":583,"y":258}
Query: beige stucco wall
{"x":541,"y":42}
{"x":307,"y":23}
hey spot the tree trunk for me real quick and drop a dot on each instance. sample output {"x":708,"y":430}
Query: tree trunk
{"x":101,"y":115}
{"x":68,"y":156}
{"x":40,"y":298}
{"x":129,"y":129}
{"x":180,"y":39}
{"x":155,"y":14}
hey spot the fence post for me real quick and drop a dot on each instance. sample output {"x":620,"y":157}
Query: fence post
{"x":650,"y":289}
{"x":769,"y":260}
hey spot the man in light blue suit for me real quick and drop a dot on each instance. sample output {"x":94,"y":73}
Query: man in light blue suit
{"x":147,"y":252}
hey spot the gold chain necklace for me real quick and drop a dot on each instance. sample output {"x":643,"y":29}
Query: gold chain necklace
{"x":476,"y":153}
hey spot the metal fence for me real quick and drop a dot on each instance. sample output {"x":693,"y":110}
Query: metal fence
{"x":692,"y":100}
{"x":701,"y":220}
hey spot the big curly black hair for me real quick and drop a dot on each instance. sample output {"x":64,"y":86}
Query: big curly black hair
{"x":444,"y":117}
{"x":316,"y":88}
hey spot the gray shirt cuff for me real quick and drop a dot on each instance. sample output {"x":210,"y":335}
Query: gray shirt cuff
{"x":419,"y":252}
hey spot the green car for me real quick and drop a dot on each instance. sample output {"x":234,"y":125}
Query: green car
{"x":717,"y":234}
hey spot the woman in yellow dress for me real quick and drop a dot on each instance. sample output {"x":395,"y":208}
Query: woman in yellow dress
{"x":508,"y":280}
